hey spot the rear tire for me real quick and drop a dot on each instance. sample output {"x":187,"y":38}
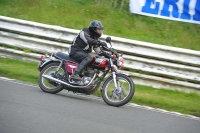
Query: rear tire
{"x":48,"y":85}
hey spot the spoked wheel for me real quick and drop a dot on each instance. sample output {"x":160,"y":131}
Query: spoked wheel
{"x":48,"y":85}
{"x":120,"y":95}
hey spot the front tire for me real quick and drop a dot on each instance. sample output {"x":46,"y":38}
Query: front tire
{"x":48,"y":85}
{"x":113,"y":96}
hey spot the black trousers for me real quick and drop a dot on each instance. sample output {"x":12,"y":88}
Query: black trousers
{"x":84,"y":58}
{"x":80,"y":56}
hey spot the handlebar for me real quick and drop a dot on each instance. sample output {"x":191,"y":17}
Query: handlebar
{"x":111,"y":50}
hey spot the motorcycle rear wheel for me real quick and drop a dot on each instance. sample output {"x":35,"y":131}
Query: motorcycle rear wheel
{"x":47,"y":85}
{"x":111,"y":95}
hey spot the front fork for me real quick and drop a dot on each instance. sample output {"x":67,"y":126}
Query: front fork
{"x":114,"y":76}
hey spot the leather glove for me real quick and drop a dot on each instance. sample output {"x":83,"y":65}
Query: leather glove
{"x":103,"y":44}
{"x":105,"y":54}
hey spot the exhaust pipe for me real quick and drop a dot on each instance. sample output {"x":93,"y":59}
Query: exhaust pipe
{"x":64,"y":83}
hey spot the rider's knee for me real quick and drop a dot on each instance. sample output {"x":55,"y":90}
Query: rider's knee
{"x":89,"y":58}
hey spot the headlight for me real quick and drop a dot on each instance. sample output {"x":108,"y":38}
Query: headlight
{"x":120,"y":62}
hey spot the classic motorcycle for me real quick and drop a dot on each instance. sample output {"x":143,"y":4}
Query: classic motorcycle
{"x":117,"y":88}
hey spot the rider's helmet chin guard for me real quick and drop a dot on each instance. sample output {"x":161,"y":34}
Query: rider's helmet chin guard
{"x":96,"y":28}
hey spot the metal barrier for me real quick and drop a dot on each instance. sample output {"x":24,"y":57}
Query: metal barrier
{"x":149,"y":64}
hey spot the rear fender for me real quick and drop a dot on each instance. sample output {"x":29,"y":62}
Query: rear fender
{"x":46,"y":61}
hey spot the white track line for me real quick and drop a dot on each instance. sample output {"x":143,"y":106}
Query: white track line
{"x":5,"y":78}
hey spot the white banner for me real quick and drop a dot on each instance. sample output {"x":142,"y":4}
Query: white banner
{"x":179,"y":10}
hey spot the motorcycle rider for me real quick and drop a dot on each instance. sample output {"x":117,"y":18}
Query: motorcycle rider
{"x":83,"y":44}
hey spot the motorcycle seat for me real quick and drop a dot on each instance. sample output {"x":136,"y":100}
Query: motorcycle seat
{"x":64,"y":56}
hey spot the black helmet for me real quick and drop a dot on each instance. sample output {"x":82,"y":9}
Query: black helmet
{"x":94,"y":25}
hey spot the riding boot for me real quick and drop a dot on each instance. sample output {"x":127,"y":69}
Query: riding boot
{"x":79,"y":69}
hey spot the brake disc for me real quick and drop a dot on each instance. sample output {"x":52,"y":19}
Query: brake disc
{"x":117,"y":94}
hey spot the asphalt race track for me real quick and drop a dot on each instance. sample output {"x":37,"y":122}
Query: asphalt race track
{"x":26,"y":109}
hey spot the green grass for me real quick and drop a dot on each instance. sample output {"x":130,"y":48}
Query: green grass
{"x":186,"y":103}
{"x":24,"y":71}
{"x":117,"y":20}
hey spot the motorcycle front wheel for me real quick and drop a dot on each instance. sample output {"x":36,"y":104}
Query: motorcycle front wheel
{"x":48,"y":85}
{"x":122,"y":94}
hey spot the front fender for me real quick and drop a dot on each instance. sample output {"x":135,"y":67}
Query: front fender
{"x":119,"y":73}
{"x":123,"y":74}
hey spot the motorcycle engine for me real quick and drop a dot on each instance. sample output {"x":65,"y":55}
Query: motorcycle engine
{"x":86,"y":80}
{"x":88,"y":74}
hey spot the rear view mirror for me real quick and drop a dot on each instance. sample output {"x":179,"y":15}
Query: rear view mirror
{"x":108,"y":39}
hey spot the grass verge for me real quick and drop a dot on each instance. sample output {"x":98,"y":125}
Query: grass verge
{"x":186,"y":103}
{"x":115,"y":16}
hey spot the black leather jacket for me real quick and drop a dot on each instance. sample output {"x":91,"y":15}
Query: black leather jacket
{"x":87,"y":42}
